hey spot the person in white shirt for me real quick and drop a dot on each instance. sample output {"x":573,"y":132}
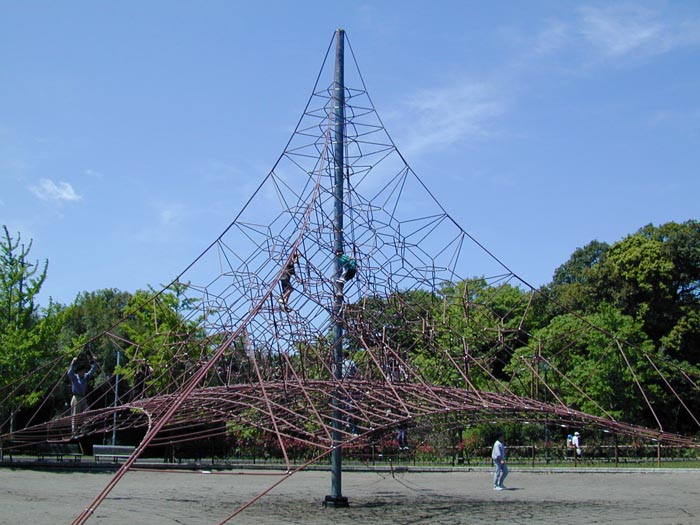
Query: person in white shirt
{"x":498,"y":454}
{"x":576,"y":443}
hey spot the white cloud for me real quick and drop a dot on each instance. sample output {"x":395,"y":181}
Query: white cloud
{"x":613,"y":32}
{"x":94,"y":174}
{"x":48,"y":190}
{"x":170,"y":215}
{"x":687,"y":121}
{"x":555,"y":36}
{"x":162,"y":224}
{"x":441,"y":117}
{"x":444,"y":116}
{"x":620,"y":30}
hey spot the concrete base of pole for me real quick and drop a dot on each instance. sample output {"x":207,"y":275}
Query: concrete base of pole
{"x":336,"y":502}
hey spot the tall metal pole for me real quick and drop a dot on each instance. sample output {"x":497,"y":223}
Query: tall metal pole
{"x":336,"y":498}
{"x":116,"y":401}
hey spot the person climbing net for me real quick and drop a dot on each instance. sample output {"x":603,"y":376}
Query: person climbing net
{"x":286,"y":280}
{"x":349,"y":266}
{"x":349,"y":269}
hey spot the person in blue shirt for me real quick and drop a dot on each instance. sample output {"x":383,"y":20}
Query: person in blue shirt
{"x":79,"y":378}
{"x":498,"y":454}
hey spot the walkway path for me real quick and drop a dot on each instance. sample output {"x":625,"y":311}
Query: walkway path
{"x":193,"y":498}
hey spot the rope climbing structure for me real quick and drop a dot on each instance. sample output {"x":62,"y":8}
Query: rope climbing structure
{"x":342,"y":301}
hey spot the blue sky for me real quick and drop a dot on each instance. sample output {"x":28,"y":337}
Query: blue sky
{"x":131,"y":133}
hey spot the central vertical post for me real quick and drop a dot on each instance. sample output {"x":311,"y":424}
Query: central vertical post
{"x":336,"y":498}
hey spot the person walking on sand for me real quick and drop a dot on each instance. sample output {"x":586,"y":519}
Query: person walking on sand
{"x":498,"y":455}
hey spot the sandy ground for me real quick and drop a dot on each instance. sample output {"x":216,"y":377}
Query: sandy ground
{"x":452,"y":498}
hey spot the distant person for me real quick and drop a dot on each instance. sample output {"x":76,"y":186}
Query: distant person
{"x":498,"y":455}
{"x":79,"y":377}
{"x":286,"y":281}
{"x":402,"y":436}
{"x":569,"y":445}
{"x":349,"y":266}
{"x":576,"y":443}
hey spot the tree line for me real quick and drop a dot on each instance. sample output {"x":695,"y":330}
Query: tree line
{"x":642,"y":295}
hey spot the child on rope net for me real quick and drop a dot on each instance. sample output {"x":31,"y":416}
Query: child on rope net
{"x":286,"y":281}
{"x":349,"y":266}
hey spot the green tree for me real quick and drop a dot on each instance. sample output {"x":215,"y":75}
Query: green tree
{"x":595,"y":364}
{"x":20,"y":282}
{"x":397,"y":328}
{"x":682,"y":343}
{"x":159,"y":331}
{"x":22,"y":335}
{"x":681,"y":246}
{"x":480,"y":326}
{"x":575,"y":285}
{"x":89,"y":318}
{"x":654,"y":275}
{"x":639,"y":279}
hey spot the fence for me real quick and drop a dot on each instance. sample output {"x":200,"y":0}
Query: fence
{"x":594,"y":454}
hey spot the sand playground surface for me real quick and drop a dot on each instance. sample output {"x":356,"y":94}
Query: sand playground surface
{"x":446,"y":498}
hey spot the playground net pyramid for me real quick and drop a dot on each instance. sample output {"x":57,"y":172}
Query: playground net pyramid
{"x":429,"y":319}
